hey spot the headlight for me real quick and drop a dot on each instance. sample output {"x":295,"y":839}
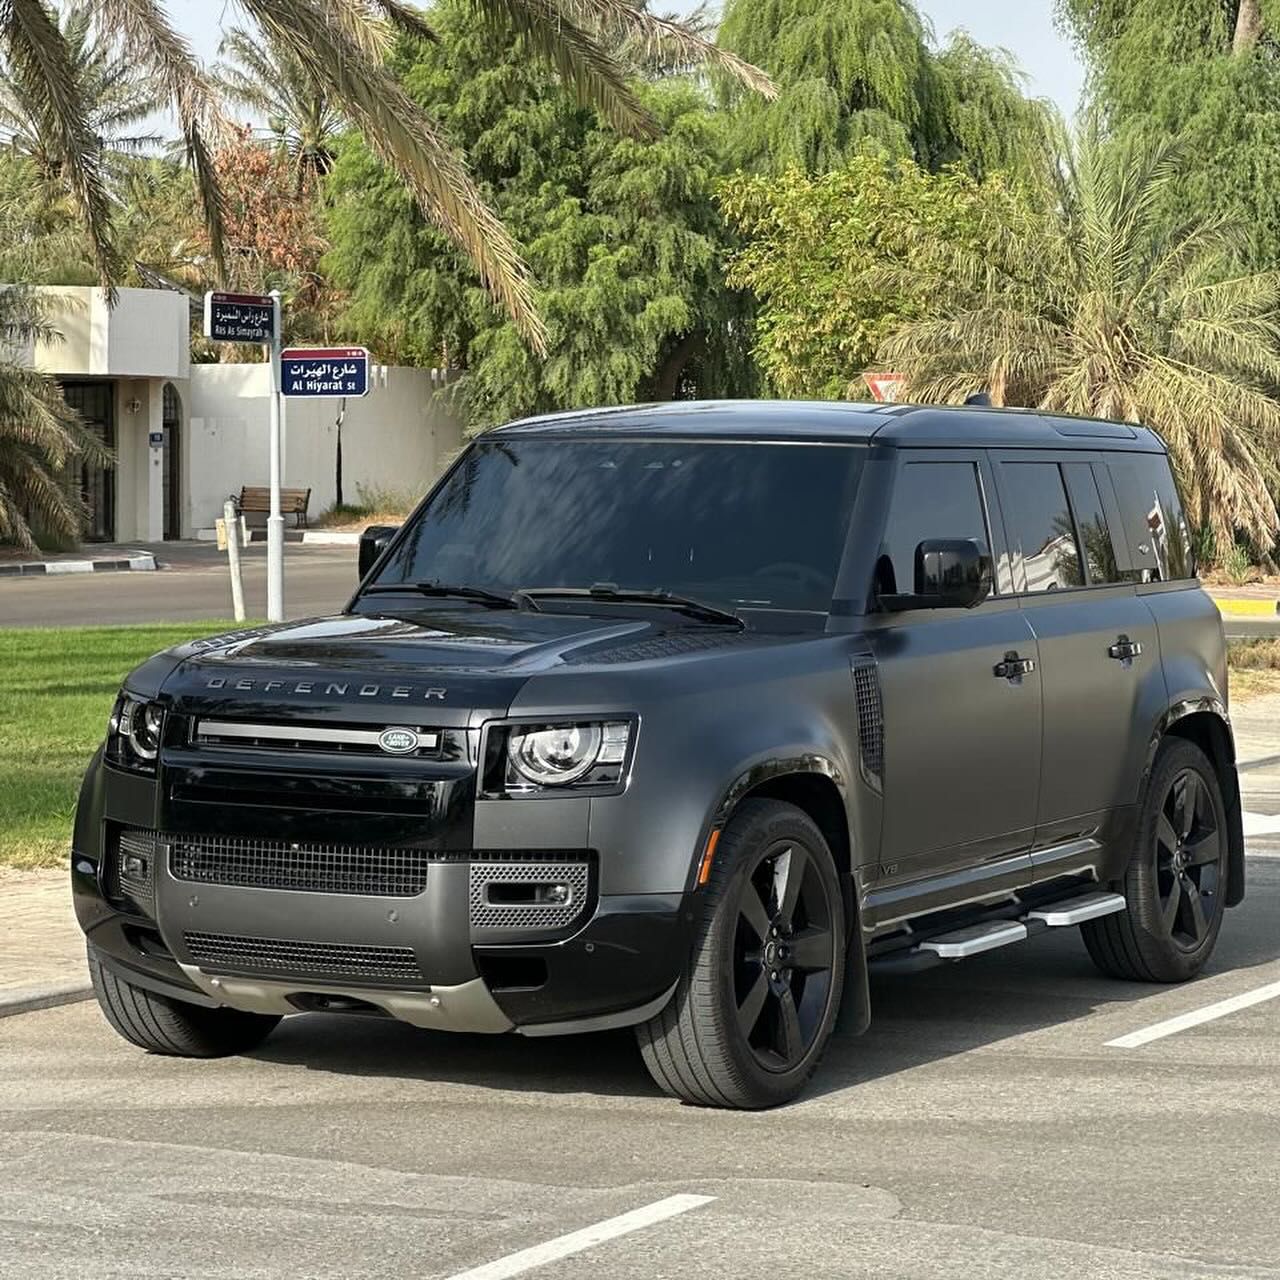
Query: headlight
{"x":133,"y":732}
{"x":588,"y":753}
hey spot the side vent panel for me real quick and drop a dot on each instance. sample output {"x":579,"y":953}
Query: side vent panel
{"x":866,"y":687}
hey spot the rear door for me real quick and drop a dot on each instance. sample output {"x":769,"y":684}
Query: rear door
{"x":961,"y":740}
{"x":1099,"y":653}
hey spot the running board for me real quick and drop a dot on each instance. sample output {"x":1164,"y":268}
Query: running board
{"x":976,"y":939}
{"x":1077,"y":910}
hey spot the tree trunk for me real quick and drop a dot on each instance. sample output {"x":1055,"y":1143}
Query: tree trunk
{"x":337,"y":461}
{"x":1248,"y":27}
{"x":668,"y":380}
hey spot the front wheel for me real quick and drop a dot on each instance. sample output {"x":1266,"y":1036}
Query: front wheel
{"x":759,"y":996}
{"x":1176,"y":885}
{"x":174,"y":1027}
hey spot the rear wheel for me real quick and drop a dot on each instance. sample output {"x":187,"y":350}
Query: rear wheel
{"x":1177,"y":879}
{"x":174,"y":1027}
{"x":755,"y":1007}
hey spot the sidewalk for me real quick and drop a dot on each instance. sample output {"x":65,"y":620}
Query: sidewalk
{"x":41,"y":947}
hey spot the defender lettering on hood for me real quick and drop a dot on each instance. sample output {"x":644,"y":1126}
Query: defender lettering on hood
{"x":330,"y":689}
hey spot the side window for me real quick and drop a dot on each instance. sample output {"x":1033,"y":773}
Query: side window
{"x":930,"y":500}
{"x":1091,"y":521}
{"x":1039,"y":525}
{"x":1159,"y":538}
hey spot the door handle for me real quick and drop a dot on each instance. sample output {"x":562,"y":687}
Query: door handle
{"x":1124,"y":649}
{"x":1012,"y":667}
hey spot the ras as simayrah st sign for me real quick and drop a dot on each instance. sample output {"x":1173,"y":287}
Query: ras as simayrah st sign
{"x":239,"y":317}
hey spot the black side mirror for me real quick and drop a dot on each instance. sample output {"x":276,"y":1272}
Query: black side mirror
{"x":373,"y":542}
{"x":950,"y":573}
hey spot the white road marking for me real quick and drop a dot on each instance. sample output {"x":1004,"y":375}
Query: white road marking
{"x":1171,"y":1026}
{"x":1261,"y":824}
{"x":539,"y":1255}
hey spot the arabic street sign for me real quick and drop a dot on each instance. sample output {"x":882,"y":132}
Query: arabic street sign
{"x":886,"y":387}
{"x":238,"y":317}
{"x":324,"y":371}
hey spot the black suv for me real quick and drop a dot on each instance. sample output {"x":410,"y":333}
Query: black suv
{"x":684,"y":718}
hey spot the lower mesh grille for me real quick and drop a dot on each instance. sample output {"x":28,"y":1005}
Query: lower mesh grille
{"x":488,"y":910}
{"x":229,"y":952}
{"x":131,"y":870}
{"x":310,"y":868}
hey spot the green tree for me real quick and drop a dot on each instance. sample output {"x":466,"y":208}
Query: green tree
{"x":854,"y":74}
{"x":622,"y":234}
{"x":1208,"y":76}
{"x":342,"y":45}
{"x":811,"y":244}
{"x":40,"y":437}
{"x":1087,"y":305}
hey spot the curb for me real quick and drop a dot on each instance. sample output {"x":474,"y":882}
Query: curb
{"x":331,"y":538}
{"x":29,"y":999}
{"x":1247,"y":608}
{"x":126,"y":564}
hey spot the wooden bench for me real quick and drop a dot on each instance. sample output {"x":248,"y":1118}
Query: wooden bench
{"x":293,"y":502}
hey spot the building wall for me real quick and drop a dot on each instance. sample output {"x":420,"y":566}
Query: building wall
{"x":398,"y":438}
{"x":145,"y":335}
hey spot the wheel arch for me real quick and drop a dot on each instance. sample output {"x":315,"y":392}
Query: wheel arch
{"x":817,"y":787}
{"x":1204,"y":722}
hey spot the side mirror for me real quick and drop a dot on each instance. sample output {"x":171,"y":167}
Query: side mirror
{"x":373,"y":542}
{"x":951,"y":573}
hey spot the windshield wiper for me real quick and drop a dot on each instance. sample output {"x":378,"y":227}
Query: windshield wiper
{"x":625,"y":595}
{"x":491,"y":599}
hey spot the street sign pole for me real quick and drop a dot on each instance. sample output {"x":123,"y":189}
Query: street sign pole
{"x":275,"y":521}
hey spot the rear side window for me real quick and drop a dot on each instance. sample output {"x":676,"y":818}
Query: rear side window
{"x":1039,"y":525}
{"x":930,"y":500}
{"x":1091,"y":522}
{"x":1156,"y":525}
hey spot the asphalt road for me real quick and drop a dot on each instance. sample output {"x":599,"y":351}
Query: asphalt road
{"x":318,"y":580}
{"x":983,"y":1127}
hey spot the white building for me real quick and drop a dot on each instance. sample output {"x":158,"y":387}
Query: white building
{"x":186,"y":435}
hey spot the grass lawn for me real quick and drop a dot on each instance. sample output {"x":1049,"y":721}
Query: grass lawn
{"x":56,"y":691}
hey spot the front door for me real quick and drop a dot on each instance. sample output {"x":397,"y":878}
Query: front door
{"x":95,"y":403}
{"x":1099,"y":651}
{"x":172,"y":464}
{"x":962,"y":725}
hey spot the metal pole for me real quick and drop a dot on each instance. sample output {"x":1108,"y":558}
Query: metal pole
{"x":275,"y":521}
{"x":231,"y":522}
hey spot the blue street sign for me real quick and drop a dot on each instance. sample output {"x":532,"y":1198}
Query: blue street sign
{"x":238,"y":317}
{"x":324,"y":371}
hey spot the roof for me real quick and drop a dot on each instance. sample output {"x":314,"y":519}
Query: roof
{"x":893,"y":424}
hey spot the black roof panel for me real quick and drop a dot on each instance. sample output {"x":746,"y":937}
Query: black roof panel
{"x":813,"y":420}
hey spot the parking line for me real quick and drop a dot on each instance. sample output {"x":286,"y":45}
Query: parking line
{"x":539,"y":1255}
{"x":1171,"y":1026}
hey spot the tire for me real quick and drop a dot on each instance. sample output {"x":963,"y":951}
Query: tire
{"x":754,"y":1009}
{"x":1176,"y":884}
{"x":173,"y":1027}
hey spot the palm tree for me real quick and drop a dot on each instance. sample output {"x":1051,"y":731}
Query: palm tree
{"x":342,"y":45}
{"x":1081,"y":305}
{"x":115,"y":95}
{"x":300,"y":115}
{"x":40,"y":436}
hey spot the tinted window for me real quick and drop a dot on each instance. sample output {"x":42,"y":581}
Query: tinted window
{"x":930,"y":500}
{"x":739,"y":525}
{"x":1091,"y":521}
{"x":1159,"y":538}
{"x":1039,"y":525}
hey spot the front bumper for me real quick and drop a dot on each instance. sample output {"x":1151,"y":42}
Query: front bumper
{"x":433,"y":958}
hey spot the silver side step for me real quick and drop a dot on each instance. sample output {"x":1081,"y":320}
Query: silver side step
{"x":976,"y":939}
{"x":1077,"y":910}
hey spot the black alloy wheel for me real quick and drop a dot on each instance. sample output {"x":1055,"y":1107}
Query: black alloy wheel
{"x":1189,"y":851}
{"x":783,"y":956}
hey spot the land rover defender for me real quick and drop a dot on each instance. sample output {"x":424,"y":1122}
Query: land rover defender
{"x":684,"y":717}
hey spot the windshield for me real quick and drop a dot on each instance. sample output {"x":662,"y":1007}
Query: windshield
{"x":737,"y":525}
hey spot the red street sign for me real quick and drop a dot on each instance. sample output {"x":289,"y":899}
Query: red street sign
{"x":311,"y":372}
{"x":885,"y":387}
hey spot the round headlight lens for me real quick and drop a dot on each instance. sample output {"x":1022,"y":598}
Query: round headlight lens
{"x":555,"y":756}
{"x":141,"y":723}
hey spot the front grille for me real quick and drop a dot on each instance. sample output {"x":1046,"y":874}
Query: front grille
{"x":866,"y":684}
{"x":309,"y":868}
{"x":322,"y":738}
{"x":505,"y":913}
{"x":230,"y":953}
